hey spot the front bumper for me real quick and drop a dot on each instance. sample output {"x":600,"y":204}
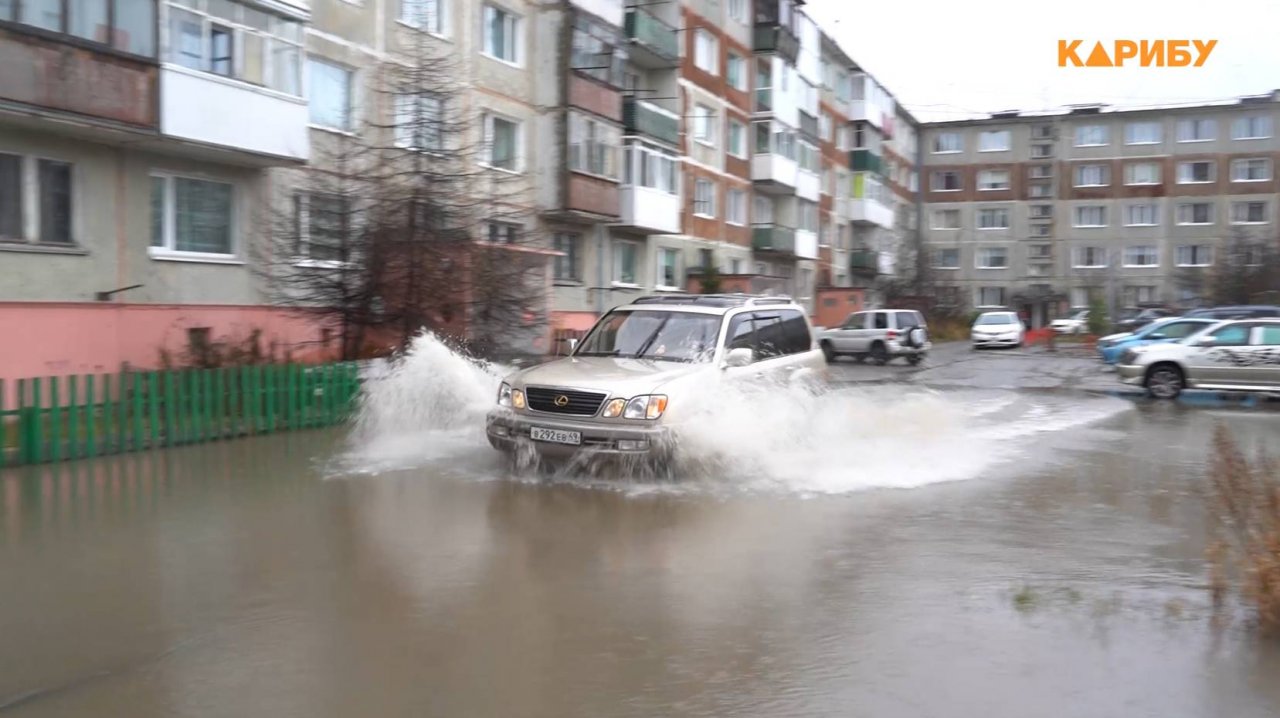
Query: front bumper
{"x":995,"y":340}
{"x":509,"y":431}
{"x":1131,"y":373}
{"x":897,"y":349}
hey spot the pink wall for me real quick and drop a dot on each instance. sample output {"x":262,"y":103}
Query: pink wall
{"x":56,"y":338}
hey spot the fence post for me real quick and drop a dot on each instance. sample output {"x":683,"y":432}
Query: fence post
{"x":91,"y":431}
{"x":271,"y":397}
{"x":135,"y":382}
{"x":55,"y":420}
{"x":170,"y":411}
{"x":73,"y":417}
{"x":153,"y":406}
{"x":122,"y":405}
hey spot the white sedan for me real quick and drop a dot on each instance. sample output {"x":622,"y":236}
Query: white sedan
{"x":1076,"y":324}
{"x":997,"y":329}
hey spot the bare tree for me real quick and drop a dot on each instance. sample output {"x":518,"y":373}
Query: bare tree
{"x":419,"y":220}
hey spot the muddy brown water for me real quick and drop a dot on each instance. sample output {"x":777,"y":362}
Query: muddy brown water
{"x":247,"y":579}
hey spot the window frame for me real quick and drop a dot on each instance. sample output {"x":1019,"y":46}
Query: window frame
{"x":660,"y":266}
{"x":1130,"y":253}
{"x":710,"y":201}
{"x":704,"y":125}
{"x":933,"y":217}
{"x":980,"y":292}
{"x":1155,"y":214}
{"x":1244,"y":161}
{"x":269,"y":42}
{"x":302,"y":208}
{"x":1266,"y":213}
{"x":1078,"y":253}
{"x":978,"y":219}
{"x":937,"y":258}
{"x":443,"y":14}
{"x":1128,"y":175}
{"x":979,"y":258}
{"x":1177,"y":258}
{"x":1197,"y":123}
{"x":350,"y":110}
{"x":933,"y":184}
{"x":1077,"y":211}
{"x":731,"y":146}
{"x":1008,"y":180}
{"x":513,"y":28}
{"x":1104,"y":175}
{"x":169,"y":251}
{"x":617,"y":258}
{"x":729,"y":213}
{"x":1105,"y":131}
{"x":1212,"y":212}
{"x":1128,"y":135}
{"x":1213,"y":171}
{"x":1008,"y":140}
{"x":708,"y":50}
{"x":741,"y":84}
{"x":488,"y":130}
{"x":959,"y":142}
{"x":573,"y":257}
{"x":1235,"y":125}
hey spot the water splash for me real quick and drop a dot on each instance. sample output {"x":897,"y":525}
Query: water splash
{"x":429,"y":409}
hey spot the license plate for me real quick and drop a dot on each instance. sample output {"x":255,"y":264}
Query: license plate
{"x":555,"y":436}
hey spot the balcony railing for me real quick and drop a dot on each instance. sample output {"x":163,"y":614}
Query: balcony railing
{"x":865,"y":161}
{"x":773,"y":238}
{"x":654,"y":43}
{"x":640,"y":117}
{"x":772,"y":38}
{"x":808,"y":124}
{"x":864,"y":261}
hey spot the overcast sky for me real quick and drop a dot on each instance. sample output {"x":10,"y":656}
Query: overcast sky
{"x":951,"y":59}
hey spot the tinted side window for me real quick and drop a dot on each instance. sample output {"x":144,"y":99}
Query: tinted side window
{"x":740,"y":334}
{"x":1235,"y":335}
{"x":1263,"y":313}
{"x":795,"y":332}
{"x":1178,"y":330}
{"x":769,"y":336}
{"x":906,"y":320}
{"x":881,"y":320}
{"x":857,"y":320}
{"x":1268,"y":335}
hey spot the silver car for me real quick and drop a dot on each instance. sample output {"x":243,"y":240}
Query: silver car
{"x":628,"y":382}
{"x":1240,"y":355}
{"x":879,"y":334}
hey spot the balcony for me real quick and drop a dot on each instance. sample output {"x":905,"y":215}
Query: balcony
{"x":654,"y":43}
{"x":865,"y":161}
{"x":808,"y":185}
{"x":106,"y":87}
{"x":773,"y":238}
{"x":267,"y":125}
{"x":1041,"y":152}
{"x":774,"y":174}
{"x":864,"y":262}
{"x":870,"y":112}
{"x":806,"y":244}
{"x":809,"y":125}
{"x":773,"y":38}
{"x":645,"y":118}
{"x":649,"y":211}
{"x":869,"y":211}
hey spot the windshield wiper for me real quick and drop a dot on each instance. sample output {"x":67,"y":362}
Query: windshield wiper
{"x":644,"y":346}
{"x":612,"y":353}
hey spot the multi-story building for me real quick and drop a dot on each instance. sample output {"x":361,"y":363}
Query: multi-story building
{"x":1042,"y":212}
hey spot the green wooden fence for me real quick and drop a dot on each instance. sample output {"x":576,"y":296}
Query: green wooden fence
{"x":73,"y":417}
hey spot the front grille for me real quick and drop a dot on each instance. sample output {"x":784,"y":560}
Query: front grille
{"x":580,"y":403}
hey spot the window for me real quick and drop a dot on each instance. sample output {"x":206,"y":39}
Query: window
{"x":992,"y":258}
{"x":948,"y":258}
{"x":330,"y":95}
{"x":1252,"y":127}
{"x":808,"y":213}
{"x":502,"y":232}
{"x":1040,"y":251}
{"x":568,"y":264}
{"x":807,"y":157}
{"x":624,"y":261}
{"x":859,"y":135}
{"x":1041,"y":211}
{"x":1092,"y":136}
{"x":704,"y":125}
{"x":947,"y":143}
{"x":1093,"y":175}
{"x":426,"y":15}
{"x":738,"y":11}
{"x":1040,"y":230}
{"x":226,"y":38}
{"x":53,"y":185}
{"x":993,"y":179}
{"x":1141,"y":256}
{"x":191,"y":216}
{"x":653,"y":168}
{"x":706,"y":52}
{"x":1142,"y":173}
{"x":324,"y":222}
{"x":1196,"y":130}
{"x":668,"y":269}
{"x":1039,"y":190}
{"x":1195,"y":255}
{"x":993,"y":218}
{"x":1039,"y":152}
{"x":501,"y":34}
{"x":993,"y":141}
{"x":735,"y":207}
{"x":1089,"y":258}
{"x":737,"y":139}
{"x":1248,"y":212}
{"x":989,"y":297}
{"x":1142,"y":133}
{"x":1091,"y":216}
{"x":825,"y":126}
{"x":1141,"y":215}
{"x":419,"y":122}
{"x":11,"y":215}
{"x":594,"y":52}
{"x":501,"y":143}
{"x":762,"y":210}
{"x":1079,"y":297}
{"x":1140,"y":295}
{"x":735,"y":72}
{"x":1251,"y":170}
{"x":704,"y":198}
{"x":1195,"y":213}
{"x":764,"y":85}
{"x":946,"y":219}
{"x":948,"y":181}
{"x":593,"y":146}
{"x":1195,"y":172}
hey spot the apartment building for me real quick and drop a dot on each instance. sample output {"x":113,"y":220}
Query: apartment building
{"x":1040,"y":212}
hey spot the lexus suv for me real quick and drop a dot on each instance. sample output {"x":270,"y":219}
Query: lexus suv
{"x":627,"y":384}
{"x":1238,"y":355}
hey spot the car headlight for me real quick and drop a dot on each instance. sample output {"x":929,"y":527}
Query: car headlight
{"x":645,"y":407}
{"x":517,"y":398}
{"x":614,"y":408}
{"x":504,"y":394}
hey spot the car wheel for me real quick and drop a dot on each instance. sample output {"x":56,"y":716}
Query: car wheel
{"x":915,"y":359}
{"x":1165,"y":381}
{"x":860,"y":358}
{"x":879,"y":354}
{"x":829,"y":352}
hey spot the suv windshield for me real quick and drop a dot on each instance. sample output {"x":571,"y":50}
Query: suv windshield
{"x":996,"y":319}
{"x":672,"y":336}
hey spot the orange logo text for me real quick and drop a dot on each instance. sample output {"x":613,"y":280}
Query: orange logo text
{"x":1142,"y":53}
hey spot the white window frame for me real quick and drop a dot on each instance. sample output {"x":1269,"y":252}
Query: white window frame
{"x":1266,"y":211}
{"x":1078,"y":210}
{"x":1128,"y":174}
{"x":1236,"y":126}
{"x":487,"y":126}
{"x":1196,"y":262}
{"x":1128,"y":133}
{"x":704,"y":125}
{"x":937,"y":140}
{"x":979,"y":293}
{"x":738,"y":11}
{"x":978,"y":218}
{"x":1155,"y":215}
{"x":706,"y":52}
{"x":1177,"y":216}
{"x":1077,"y":255}
{"x":303,"y":257}
{"x":430,"y":16}
{"x":735,"y":213}
{"x":985,"y":135}
{"x":937,"y":258}
{"x":1082,"y":141}
{"x":979,"y":257}
{"x":350,"y":100}
{"x":737,"y":149}
{"x":698,"y":184}
{"x":270,"y":40}
{"x":408,"y":143}
{"x":1104,"y":175}
{"x":938,"y":173}
{"x":617,"y":263}
{"x":741,"y":84}
{"x":168,"y":251}
{"x":995,"y":187}
{"x":1213,"y":171}
{"x":659,"y":265}
{"x":29,"y":196}
{"x":512,"y":31}
{"x":1236,"y":164}
{"x":933,"y":219}
{"x":1196,"y":124}
{"x":1130,"y":253}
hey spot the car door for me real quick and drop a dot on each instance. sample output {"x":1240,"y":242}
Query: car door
{"x":877,"y":328}
{"x":1260,"y":361}
{"x":1220,"y":362}
{"x":846,"y":337}
{"x":1172,"y":331}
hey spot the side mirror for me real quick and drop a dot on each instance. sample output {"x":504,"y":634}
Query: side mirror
{"x":1203,"y":341}
{"x":739,"y":357}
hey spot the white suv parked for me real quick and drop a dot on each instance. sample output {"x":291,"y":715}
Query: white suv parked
{"x":880,"y":335}
{"x":628,"y":382}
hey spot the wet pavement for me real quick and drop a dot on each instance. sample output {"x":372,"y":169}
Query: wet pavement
{"x":278,"y":576}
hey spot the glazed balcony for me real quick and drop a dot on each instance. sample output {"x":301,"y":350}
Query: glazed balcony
{"x":645,"y":118}
{"x":653,"y":43}
{"x":865,"y":161}
{"x":870,"y":211}
{"x":776,"y":39}
{"x":773,"y":238}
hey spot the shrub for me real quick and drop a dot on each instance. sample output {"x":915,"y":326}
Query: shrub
{"x":1097,"y":317}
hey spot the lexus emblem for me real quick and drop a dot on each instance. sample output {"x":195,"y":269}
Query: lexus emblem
{"x":562,"y":400}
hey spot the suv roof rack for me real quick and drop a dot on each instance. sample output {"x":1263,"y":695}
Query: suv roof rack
{"x":714,"y":300}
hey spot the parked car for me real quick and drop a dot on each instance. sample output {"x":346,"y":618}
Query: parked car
{"x":997,"y":329}
{"x":879,"y":334}
{"x":1235,"y":355}
{"x":1135,"y":319}
{"x":1077,"y":323}
{"x":1166,"y":330}
{"x":1242,"y":311}
{"x":627,"y":383}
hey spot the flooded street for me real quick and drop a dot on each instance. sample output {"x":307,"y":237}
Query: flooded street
{"x":977,"y":552}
